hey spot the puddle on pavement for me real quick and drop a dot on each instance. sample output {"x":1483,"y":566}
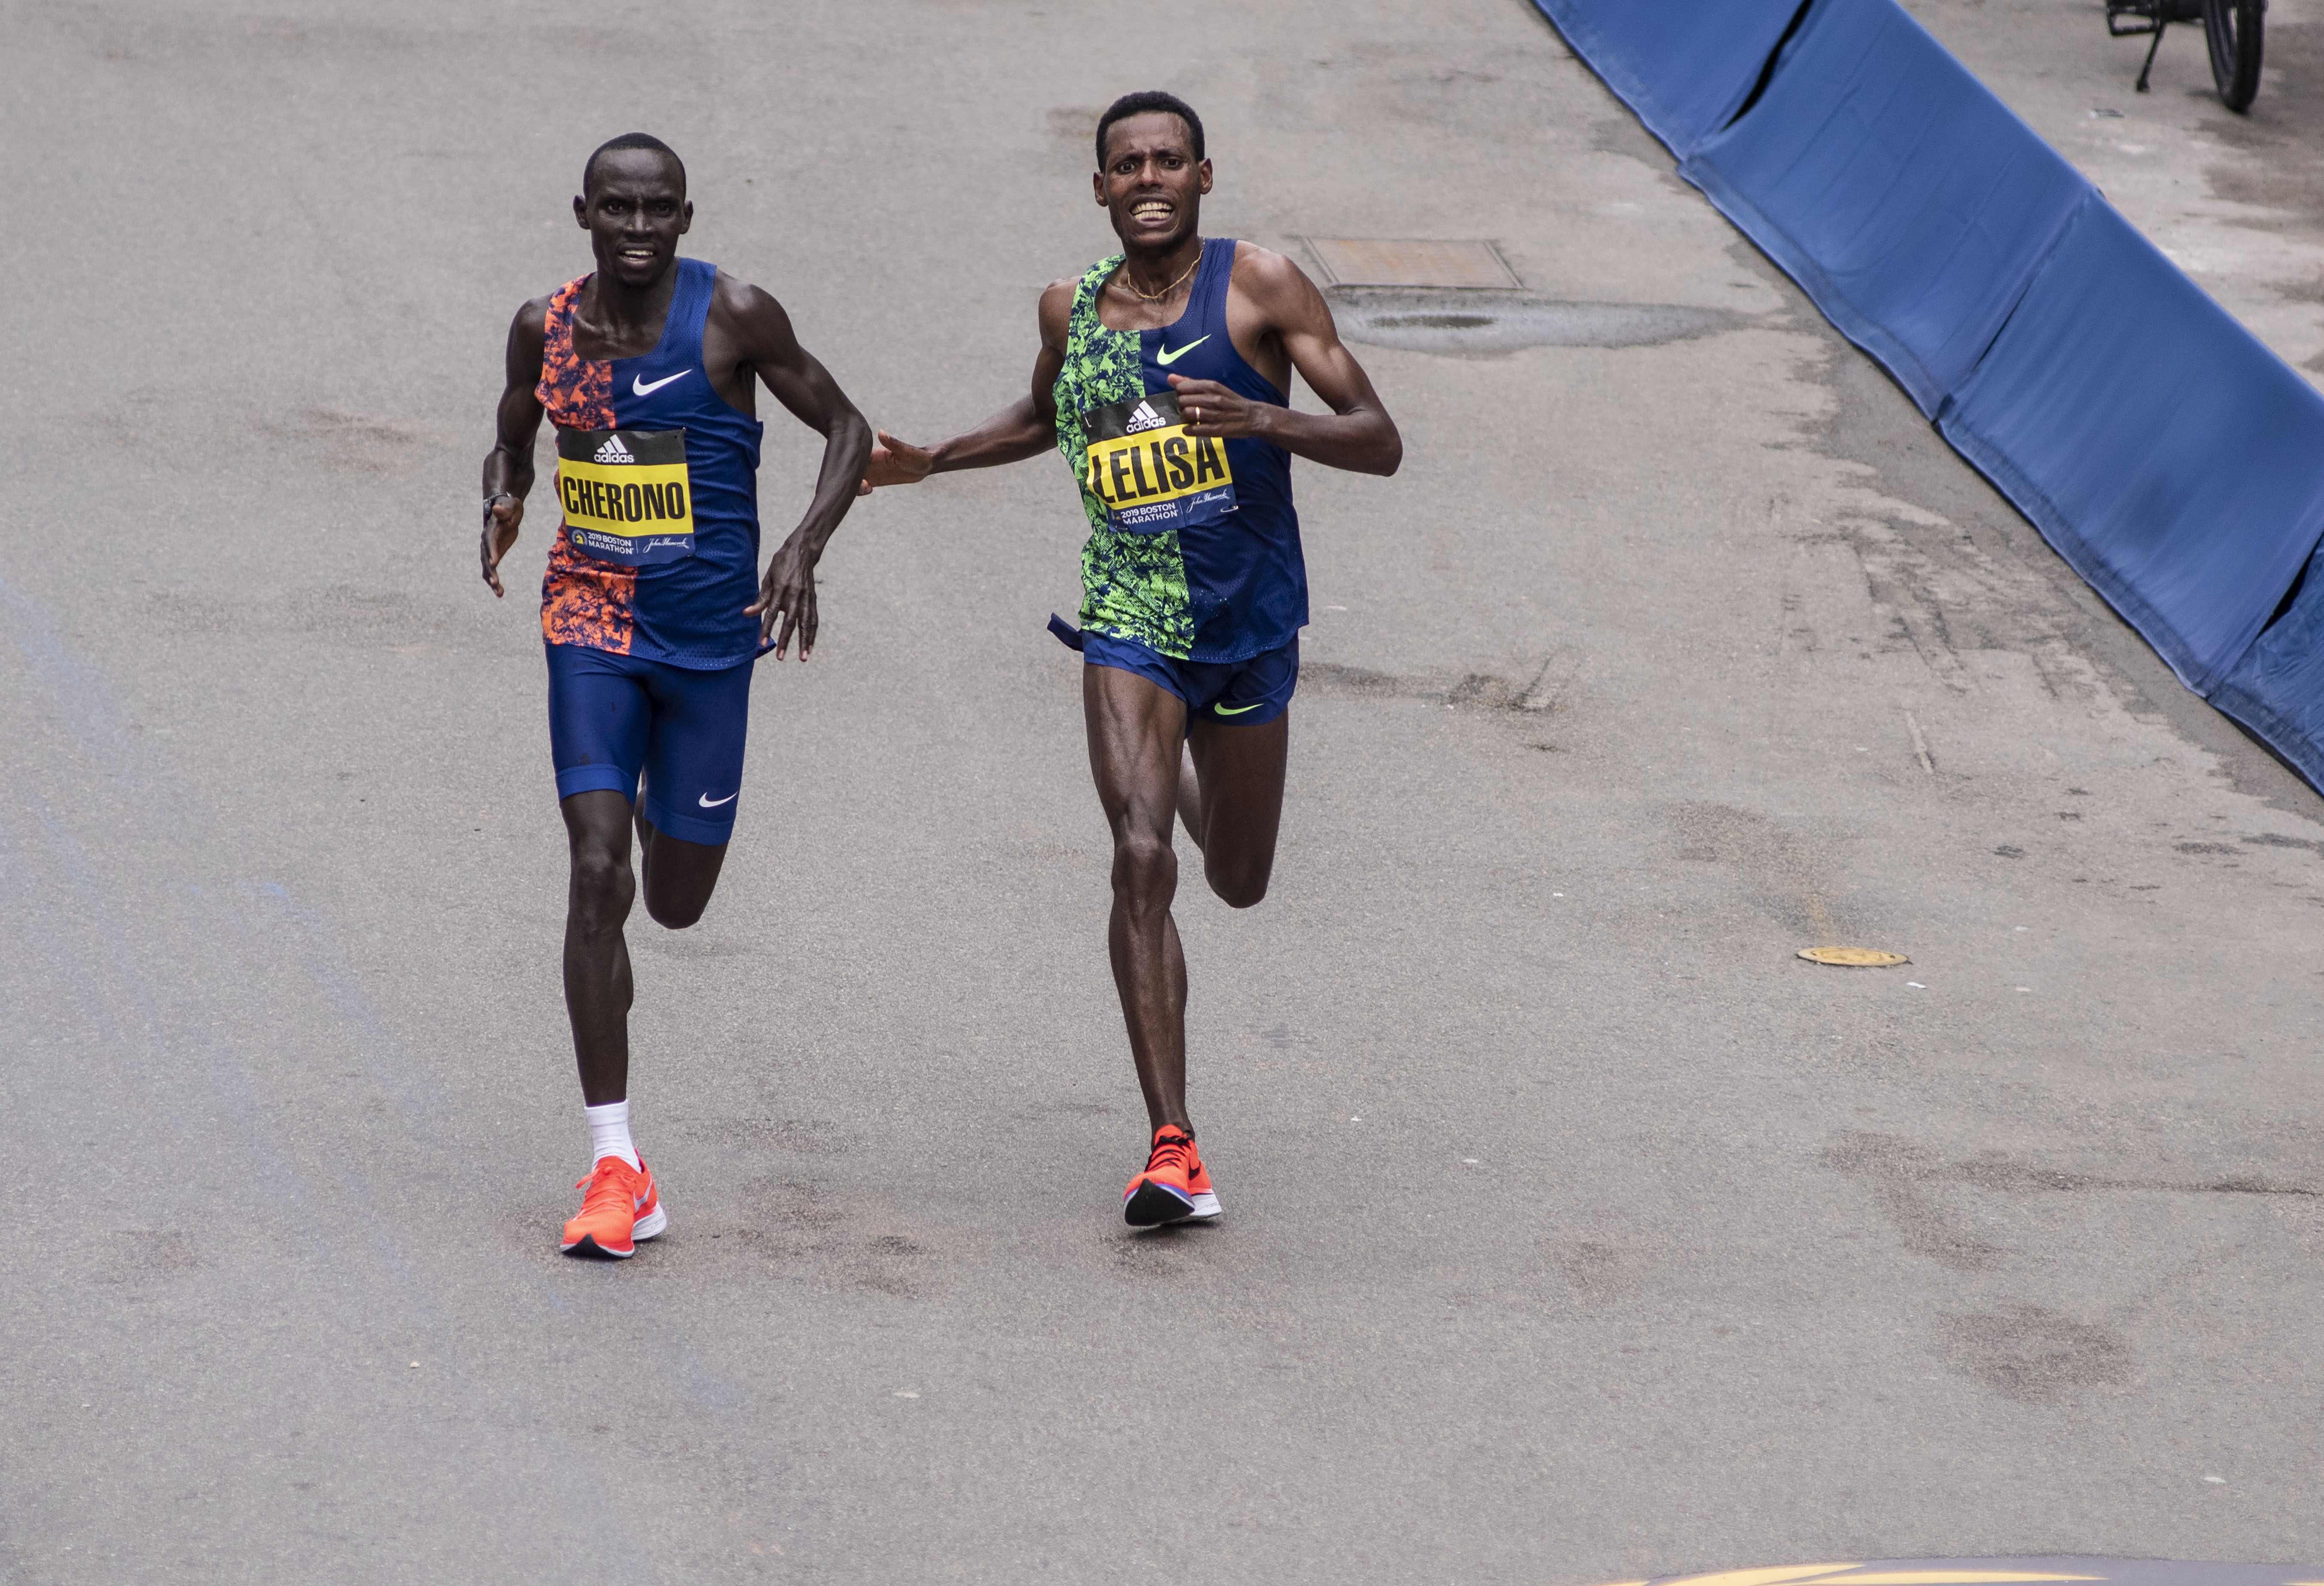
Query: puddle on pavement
{"x":1476,"y":323}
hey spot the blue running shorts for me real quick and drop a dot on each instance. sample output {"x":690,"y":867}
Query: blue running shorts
{"x":613,"y":718}
{"x":1240,"y":693}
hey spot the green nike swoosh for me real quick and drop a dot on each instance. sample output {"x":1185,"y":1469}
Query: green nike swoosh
{"x":1166,"y":357}
{"x":1236,"y":710}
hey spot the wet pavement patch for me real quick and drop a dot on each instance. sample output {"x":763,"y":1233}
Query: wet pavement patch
{"x":1479,"y":324}
{"x":2032,"y":1354}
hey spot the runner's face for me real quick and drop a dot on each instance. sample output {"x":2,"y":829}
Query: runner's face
{"x":634,"y":212}
{"x":1152,"y":185}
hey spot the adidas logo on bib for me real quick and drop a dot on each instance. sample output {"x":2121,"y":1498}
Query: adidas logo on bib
{"x":613,"y":451}
{"x":1145,"y":418}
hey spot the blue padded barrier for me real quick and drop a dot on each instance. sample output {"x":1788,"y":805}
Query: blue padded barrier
{"x":1683,"y":66}
{"x":2277,"y":689}
{"x":1891,"y":184}
{"x":2174,"y":460}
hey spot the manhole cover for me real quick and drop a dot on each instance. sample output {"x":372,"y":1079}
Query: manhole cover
{"x":1410,"y":262}
{"x":1854,"y":958}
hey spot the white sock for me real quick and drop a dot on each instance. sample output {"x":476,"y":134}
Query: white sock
{"x":609,"y":1132}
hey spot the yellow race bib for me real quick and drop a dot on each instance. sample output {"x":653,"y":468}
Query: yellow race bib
{"x":1151,"y":474}
{"x":626,"y":495}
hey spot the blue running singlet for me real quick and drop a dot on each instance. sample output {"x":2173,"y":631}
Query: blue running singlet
{"x":1194,"y":547}
{"x":658,"y":551}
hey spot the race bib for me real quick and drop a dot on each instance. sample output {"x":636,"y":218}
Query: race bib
{"x":1151,"y":474}
{"x":626,"y":495}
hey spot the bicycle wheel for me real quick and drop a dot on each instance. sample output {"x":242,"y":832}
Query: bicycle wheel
{"x":2232,"y":27}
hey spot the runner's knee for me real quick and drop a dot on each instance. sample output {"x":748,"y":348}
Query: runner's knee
{"x":604,"y":887}
{"x":675,"y":913}
{"x":1237,"y":886}
{"x":1145,"y":871}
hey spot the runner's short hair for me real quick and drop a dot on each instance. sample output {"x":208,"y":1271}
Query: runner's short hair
{"x":648,"y":141}
{"x":1146,"y":103}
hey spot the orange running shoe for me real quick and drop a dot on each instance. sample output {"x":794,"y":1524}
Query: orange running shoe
{"x":1175,"y":1187}
{"x":621,"y":1207}
{"x":1206,"y":1199}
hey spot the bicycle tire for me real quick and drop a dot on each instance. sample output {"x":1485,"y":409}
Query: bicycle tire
{"x":2233,"y":30}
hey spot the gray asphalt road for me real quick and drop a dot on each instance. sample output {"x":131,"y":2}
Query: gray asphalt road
{"x":1576,"y":1230}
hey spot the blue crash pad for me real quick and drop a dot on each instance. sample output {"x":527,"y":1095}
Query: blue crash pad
{"x":2277,"y":689}
{"x":2169,"y":455}
{"x":1684,"y":66}
{"x":2174,"y":460}
{"x":1891,"y":184}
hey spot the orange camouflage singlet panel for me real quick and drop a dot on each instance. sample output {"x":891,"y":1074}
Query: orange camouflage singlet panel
{"x":583,"y":600}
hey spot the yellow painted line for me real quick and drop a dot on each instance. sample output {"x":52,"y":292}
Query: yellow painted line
{"x":1948,"y":1577}
{"x":1945,"y":1577}
{"x":1767,"y":1577}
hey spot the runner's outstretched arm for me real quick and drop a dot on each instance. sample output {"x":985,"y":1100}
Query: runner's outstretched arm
{"x":1026,"y":427}
{"x":806,"y":387}
{"x":508,"y":466}
{"x":1356,"y":434}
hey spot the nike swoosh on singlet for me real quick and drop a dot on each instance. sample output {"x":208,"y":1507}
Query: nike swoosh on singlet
{"x":638,"y":381}
{"x":1236,"y":710}
{"x":710,"y":803}
{"x":1166,"y":357}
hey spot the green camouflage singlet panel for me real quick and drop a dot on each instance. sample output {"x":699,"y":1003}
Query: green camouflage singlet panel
{"x":1133,"y":585}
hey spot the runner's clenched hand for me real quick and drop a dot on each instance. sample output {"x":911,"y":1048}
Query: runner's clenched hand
{"x":503,"y":515}
{"x":788,"y":592}
{"x":894,"y":462}
{"x":1214,"y":413}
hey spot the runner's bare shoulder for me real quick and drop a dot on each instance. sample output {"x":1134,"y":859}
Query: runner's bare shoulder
{"x":1057,"y":310}
{"x":1273,"y":281}
{"x":739,"y":300}
{"x":528,"y":335}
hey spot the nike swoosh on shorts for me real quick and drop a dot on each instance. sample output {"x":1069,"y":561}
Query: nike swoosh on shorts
{"x":1166,"y":357}
{"x":710,"y":803}
{"x":1236,"y":710}
{"x":638,"y":381}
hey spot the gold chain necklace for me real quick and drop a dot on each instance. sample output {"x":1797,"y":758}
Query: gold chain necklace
{"x":1156,"y":297}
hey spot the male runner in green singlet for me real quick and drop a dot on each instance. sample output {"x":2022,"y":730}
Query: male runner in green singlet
{"x":1163,"y":378}
{"x":648,"y":366}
